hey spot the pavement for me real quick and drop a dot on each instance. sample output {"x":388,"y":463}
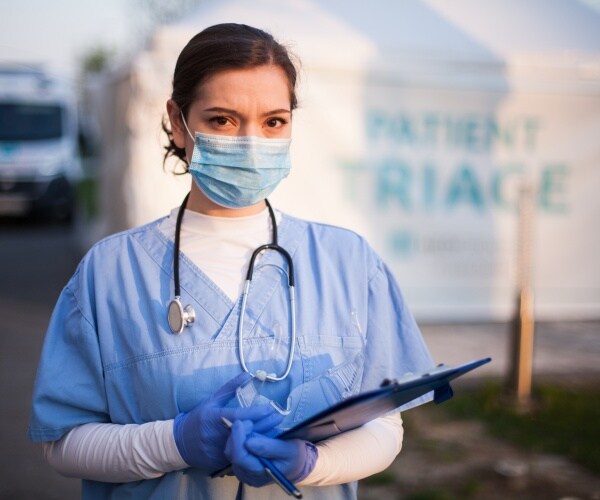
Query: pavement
{"x":567,"y":349}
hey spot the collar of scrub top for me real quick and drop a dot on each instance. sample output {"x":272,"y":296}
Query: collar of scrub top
{"x":179,"y":317}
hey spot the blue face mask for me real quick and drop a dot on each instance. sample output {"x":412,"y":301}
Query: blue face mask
{"x":237,"y":172}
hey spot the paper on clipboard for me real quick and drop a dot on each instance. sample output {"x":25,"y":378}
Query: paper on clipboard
{"x":360,"y":409}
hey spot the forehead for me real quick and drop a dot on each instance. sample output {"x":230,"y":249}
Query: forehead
{"x":268,"y":84}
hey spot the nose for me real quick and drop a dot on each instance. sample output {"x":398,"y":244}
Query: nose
{"x":250,"y":128}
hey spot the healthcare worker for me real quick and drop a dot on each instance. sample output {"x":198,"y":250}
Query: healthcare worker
{"x":162,"y":330}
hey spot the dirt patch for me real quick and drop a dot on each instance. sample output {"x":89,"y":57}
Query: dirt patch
{"x":451,"y":460}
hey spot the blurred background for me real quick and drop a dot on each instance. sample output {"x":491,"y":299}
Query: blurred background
{"x":462,"y":138}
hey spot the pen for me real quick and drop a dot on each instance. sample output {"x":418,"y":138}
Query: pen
{"x":284,"y":483}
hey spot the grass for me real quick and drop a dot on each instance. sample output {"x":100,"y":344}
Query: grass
{"x":383,"y":478}
{"x":432,"y":495}
{"x":87,"y":194}
{"x":465,"y":492}
{"x":561,"y":421}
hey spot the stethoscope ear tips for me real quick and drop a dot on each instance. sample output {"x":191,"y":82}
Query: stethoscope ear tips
{"x":179,"y":317}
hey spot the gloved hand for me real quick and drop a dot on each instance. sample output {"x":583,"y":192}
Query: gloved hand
{"x":200,"y":435}
{"x":295,"y":458}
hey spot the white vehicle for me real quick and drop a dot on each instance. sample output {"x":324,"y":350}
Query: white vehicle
{"x":39,"y":151}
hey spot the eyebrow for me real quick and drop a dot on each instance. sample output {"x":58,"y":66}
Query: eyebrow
{"x":218,"y":109}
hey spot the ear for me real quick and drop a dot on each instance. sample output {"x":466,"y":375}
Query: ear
{"x":177,"y":126}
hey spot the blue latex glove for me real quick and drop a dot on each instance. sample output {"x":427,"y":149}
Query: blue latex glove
{"x":200,"y":435}
{"x":295,"y":458}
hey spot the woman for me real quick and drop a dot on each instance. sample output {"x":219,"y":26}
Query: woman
{"x":131,"y":399}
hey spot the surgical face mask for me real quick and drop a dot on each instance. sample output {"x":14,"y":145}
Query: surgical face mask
{"x":237,"y":172}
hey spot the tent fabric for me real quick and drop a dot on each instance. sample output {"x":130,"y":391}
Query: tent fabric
{"x":447,"y":99}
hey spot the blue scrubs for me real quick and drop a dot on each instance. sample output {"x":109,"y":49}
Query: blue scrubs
{"x":109,"y":355}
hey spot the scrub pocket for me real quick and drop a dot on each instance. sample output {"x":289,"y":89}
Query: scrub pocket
{"x":342,"y":381}
{"x":333,"y":370}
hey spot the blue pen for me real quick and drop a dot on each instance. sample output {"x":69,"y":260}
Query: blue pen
{"x":277,"y":476}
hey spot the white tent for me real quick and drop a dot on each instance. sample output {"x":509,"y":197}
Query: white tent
{"x":419,"y":122}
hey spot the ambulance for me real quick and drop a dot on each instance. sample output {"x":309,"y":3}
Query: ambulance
{"x":39,"y":150}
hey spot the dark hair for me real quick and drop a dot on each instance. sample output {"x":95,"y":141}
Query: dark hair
{"x":222,"y":47}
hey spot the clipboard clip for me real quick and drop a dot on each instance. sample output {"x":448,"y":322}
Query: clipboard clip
{"x":440,"y":394}
{"x":411,"y":376}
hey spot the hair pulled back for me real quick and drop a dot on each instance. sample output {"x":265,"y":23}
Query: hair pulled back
{"x":223,"y":47}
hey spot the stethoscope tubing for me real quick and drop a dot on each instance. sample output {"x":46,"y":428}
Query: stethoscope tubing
{"x":187,"y":314}
{"x":176,"y":249}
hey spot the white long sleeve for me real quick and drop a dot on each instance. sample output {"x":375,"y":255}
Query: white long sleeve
{"x":221,"y":246}
{"x":120,"y":453}
{"x":116,"y":453}
{"x":359,"y":453}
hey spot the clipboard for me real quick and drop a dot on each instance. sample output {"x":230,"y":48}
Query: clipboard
{"x":366,"y":406}
{"x":362,"y":408}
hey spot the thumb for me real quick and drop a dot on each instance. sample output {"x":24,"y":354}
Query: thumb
{"x":227,"y":391}
{"x":270,"y":448}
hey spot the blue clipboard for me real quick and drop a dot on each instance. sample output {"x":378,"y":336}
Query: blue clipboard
{"x":362,"y":408}
{"x":366,"y":406}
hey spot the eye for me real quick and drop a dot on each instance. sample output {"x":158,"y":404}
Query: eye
{"x":219,"y":120}
{"x":276,"y":122}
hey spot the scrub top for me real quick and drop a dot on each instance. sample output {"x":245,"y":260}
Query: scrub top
{"x":109,"y":355}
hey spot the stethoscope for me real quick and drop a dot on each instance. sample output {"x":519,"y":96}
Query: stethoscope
{"x":180,"y":317}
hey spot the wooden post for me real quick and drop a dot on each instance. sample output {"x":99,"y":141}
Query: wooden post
{"x":522,"y":326}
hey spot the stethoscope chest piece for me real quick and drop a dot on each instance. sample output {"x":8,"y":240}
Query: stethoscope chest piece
{"x":179,"y":317}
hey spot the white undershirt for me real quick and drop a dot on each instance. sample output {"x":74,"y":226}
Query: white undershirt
{"x":221,"y":248}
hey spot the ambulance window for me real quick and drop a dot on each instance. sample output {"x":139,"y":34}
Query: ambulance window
{"x":30,"y":122}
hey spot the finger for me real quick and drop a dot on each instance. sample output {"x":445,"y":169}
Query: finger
{"x":246,"y":467}
{"x":228,"y":449}
{"x":268,"y":424}
{"x":248,"y":426}
{"x":238,"y":451}
{"x":274,"y":432}
{"x":269,"y":447}
{"x":252,"y":413}
{"x":227,"y":391}
{"x":233,"y":441}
